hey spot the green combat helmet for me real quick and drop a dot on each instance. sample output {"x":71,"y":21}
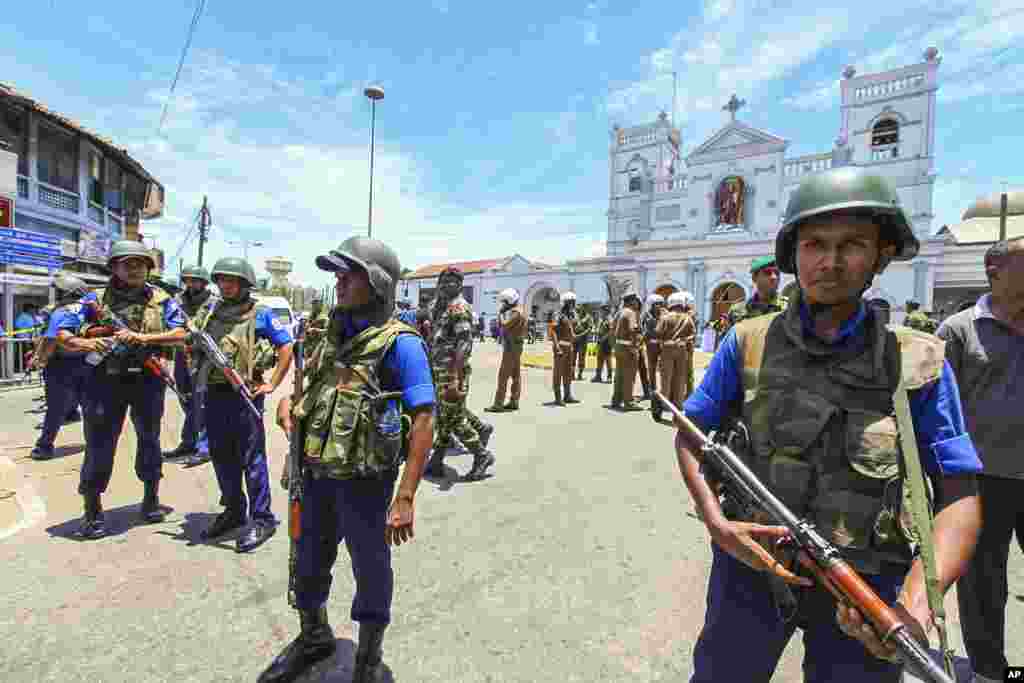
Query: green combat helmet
{"x":847,"y":188}
{"x":380,"y":264}
{"x":127,"y":248}
{"x":69,"y":285}
{"x":237,"y":267}
{"x":195,"y":272}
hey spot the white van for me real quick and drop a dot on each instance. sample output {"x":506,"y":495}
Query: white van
{"x":281,"y":309}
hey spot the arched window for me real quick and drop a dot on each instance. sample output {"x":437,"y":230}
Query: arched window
{"x":885,"y":139}
{"x":635,"y":181}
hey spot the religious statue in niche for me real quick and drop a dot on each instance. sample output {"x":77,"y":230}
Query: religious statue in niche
{"x":730,"y":201}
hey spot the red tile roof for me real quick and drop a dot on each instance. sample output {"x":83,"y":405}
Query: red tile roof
{"x":466,"y":267}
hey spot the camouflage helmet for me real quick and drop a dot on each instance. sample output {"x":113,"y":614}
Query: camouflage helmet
{"x":236,"y":267}
{"x":376,"y":259}
{"x":195,"y":272}
{"x":128,"y":248}
{"x":69,"y":284}
{"x":847,"y":188}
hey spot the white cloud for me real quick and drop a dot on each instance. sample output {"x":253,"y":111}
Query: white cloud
{"x":714,"y":10}
{"x":821,"y":97}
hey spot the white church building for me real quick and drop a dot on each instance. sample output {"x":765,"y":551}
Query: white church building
{"x":694,"y":222}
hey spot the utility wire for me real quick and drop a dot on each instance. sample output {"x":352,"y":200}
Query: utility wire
{"x":181,"y":62}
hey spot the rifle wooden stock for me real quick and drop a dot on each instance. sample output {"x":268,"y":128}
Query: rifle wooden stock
{"x":294,"y":467}
{"x":816,"y":553}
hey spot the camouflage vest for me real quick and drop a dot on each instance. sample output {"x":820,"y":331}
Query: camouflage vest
{"x":147,"y":318}
{"x":354,"y":429}
{"x":450,"y":325}
{"x":823,"y":432}
{"x":745,"y":310}
{"x":235,"y":333}
{"x":920,"y":322}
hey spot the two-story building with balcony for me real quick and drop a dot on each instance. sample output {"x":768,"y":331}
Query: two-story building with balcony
{"x":72,"y":184}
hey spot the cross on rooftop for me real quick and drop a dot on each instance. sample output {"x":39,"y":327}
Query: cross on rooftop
{"x":734,"y":105}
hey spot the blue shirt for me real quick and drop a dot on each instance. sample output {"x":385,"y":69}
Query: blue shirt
{"x":942,"y":438}
{"x":71,"y":317}
{"x":24,"y":321}
{"x":270,"y":328}
{"x":408,"y":317}
{"x":408,"y":365}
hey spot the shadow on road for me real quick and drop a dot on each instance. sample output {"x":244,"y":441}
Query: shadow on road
{"x":194,"y":522}
{"x":118,"y":521}
{"x":338,"y":669}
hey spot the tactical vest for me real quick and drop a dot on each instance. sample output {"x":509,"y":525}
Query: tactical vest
{"x":823,"y":432}
{"x":236,"y":336}
{"x":146,"y":318}
{"x":353,"y":428}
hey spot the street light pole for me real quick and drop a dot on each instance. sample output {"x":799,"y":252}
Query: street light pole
{"x":374,"y":92}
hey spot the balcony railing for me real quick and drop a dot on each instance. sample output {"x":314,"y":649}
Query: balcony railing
{"x":889,"y":87}
{"x":57,"y":198}
{"x":799,"y":167}
{"x":676,"y":184}
{"x":23,"y":187}
{"x":96,"y":213}
{"x":885,"y":153}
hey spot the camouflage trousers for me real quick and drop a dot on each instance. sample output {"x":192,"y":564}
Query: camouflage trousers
{"x":453,"y":417}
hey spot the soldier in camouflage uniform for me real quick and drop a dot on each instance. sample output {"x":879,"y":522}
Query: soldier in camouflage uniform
{"x":195,"y":295}
{"x":917,"y":320}
{"x":452,"y":323}
{"x":318,"y":319}
{"x":766,"y":298}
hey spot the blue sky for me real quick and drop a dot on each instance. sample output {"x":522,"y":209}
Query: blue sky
{"x":493,"y":135}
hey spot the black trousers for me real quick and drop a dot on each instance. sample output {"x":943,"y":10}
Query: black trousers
{"x":982,"y":591}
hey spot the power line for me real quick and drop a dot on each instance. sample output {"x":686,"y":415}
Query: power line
{"x":181,"y":62}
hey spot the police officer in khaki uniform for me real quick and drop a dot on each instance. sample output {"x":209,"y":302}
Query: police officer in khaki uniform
{"x":513,"y":332}
{"x":366,"y":409}
{"x":677,"y":332}
{"x":604,"y":345}
{"x":563,"y":340}
{"x":817,"y":385}
{"x":652,"y":347}
{"x":627,"y":352}
{"x":584,"y":331}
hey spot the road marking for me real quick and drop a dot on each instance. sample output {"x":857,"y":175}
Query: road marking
{"x":33,"y":509}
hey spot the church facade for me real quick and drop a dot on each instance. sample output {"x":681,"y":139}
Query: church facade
{"x":695,"y":222}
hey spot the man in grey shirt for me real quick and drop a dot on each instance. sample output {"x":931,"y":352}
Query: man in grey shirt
{"x":985,"y":347}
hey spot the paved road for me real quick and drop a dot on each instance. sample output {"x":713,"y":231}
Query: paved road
{"x":577,"y":561}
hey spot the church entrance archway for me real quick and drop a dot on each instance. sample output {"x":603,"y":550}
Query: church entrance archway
{"x":724,"y":296}
{"x":543,"y":305}
{"x":666,"y":290}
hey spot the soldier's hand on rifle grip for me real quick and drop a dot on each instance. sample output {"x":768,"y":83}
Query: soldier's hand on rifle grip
{"x":284,"y":415}
{"x":128,"y":337}
{"x":740,"y":539}
{"x":854,"y":625}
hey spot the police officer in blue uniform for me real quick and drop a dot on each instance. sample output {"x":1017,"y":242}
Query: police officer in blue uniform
{"x":65,"y":372}
{"x":348,"y":484}
{"x":238,"y":442}
{"x":194,"y":444}
{"x":828,"y":447}
{"x":118,"y":379}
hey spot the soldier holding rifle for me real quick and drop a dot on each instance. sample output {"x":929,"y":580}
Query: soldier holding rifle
{"x":814,"y":390}
{"x":367,"y":406}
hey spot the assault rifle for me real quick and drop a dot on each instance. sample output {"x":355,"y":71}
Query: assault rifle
{"x":149,"y":363}
{"x":815,"y":552}
{"x":292,"y":477}
{"x":210,"y":350}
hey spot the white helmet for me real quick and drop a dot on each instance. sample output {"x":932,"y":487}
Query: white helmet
{"x":655,"y":299}
{"x":509,"y":296}
{"x":568,"y":296}
{"x":676,"y":299}
{"x":687,"y":299}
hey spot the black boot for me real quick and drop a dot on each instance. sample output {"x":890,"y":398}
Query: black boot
{"x":315,"y":643}
{"x":485,"y":433}
{"x":93,"y":524}
{"x":369,"y":653}
{"x":481,"y":461}
{"x":558,"y":397}
{"x":229,"y":520}
{"x":511,"y":405}
{"x":151,"y":512}
{"x":435,"y":466}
